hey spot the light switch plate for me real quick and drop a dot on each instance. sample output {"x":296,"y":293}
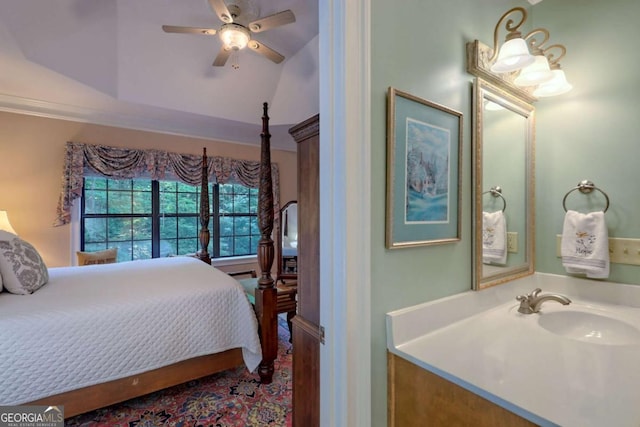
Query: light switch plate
{"x":512,"y":241}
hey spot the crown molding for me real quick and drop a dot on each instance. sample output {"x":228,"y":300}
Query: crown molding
{"x":152,"y":119}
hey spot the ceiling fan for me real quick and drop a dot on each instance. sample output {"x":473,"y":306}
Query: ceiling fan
{"x":240,"y":19}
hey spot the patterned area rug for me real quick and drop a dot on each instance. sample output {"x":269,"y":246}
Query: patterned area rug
{"x":227,"y":399}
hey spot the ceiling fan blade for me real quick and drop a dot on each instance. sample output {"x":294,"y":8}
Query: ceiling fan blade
{"x":222,"y":57}
{"x":220,"y":8}
{"x":272,"y":21}
{"x":188,"y":30}
{"x":265,"y":50}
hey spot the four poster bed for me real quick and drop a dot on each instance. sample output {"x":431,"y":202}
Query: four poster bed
{"x":57,"y":363}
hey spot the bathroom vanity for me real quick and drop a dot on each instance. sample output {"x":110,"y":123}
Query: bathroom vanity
{"x":473,"y":359}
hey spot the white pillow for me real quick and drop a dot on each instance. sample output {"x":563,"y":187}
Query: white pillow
{"x":21,"y":266}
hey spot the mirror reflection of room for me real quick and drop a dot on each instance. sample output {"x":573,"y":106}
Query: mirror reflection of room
{"x":504,"y":164}
{"x":288,"y":262}
{"x":494,"y":227}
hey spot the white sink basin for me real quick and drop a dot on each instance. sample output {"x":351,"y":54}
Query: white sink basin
{"x":568,"y":365}
{"x":590,"y":327}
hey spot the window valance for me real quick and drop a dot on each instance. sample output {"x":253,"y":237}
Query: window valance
{"x":123,"y":163}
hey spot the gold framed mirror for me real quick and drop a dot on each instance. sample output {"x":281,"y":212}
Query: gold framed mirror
{"x":503,"y":185}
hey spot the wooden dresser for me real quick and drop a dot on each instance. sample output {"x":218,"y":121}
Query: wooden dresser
{"x":306,"y":324}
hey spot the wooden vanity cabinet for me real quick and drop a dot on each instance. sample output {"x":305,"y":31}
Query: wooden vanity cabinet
{"x":417,"y":397}
{"x":306,"y":324}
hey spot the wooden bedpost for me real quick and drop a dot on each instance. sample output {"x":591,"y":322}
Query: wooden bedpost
{"x":204,"y":235}
{"x":266,"y":294}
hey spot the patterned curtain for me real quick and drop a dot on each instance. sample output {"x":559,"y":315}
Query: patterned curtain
{"x":122,"y":163}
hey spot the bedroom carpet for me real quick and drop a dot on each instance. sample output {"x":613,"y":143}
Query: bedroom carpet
{"x":227,"y":399}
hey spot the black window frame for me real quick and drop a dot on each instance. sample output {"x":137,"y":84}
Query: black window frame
{"x":156,"y":216}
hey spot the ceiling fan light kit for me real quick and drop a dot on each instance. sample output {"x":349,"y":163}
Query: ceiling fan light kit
{"x":235,"y":33}
{"x":234,"y":36}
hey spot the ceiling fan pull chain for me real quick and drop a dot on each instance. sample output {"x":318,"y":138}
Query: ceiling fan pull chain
{"x":235,"y":60}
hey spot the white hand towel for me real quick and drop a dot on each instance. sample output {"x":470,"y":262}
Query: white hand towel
{"x":494,"y":238}
{"x":585,"y":244}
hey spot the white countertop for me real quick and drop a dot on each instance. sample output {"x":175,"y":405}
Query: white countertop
{"x":479,"y":341}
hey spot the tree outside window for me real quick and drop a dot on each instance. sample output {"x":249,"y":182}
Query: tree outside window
{"x":150,"y":219}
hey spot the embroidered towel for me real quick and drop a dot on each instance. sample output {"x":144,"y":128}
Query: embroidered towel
{"x":494,"y":237}
{"x":585,"y":244}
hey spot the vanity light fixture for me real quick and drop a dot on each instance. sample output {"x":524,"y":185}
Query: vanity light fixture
{"x":536,"y":73}
{"x":536,"y":65}
{"x":558,"y":84}
{"x":514,"y":53}
{"x":540,"y":71}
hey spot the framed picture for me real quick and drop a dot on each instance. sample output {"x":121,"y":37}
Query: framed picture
{"x":424,"y":142}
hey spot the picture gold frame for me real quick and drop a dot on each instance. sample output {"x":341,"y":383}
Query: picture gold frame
{"x":424,"y":171}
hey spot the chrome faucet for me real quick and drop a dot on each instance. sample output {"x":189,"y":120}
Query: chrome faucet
{"x":531,"y":303}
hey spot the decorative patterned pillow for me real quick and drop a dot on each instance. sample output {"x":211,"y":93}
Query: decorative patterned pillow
{"x":22,"y":269}
{"x":107,"y":256}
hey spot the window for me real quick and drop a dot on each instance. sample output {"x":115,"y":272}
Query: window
{"x":150,"y":219}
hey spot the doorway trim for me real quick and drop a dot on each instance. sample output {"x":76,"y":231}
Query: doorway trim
{"x":345,"y":212}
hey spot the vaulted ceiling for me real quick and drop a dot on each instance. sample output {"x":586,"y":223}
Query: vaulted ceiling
{"x":109,"y":62}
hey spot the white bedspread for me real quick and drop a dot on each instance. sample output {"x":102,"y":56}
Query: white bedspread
{"x":98,"y":323}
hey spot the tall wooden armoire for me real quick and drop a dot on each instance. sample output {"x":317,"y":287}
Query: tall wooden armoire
{"x":306,"y":324}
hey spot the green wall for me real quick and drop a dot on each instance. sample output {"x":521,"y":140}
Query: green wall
{"x":589,"y":133}
{"x":593,"y":131}
{"x":418,"y":47}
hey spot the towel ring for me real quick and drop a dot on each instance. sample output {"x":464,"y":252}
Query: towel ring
{"x":497,"y":192}
{"x":585,"y":187}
